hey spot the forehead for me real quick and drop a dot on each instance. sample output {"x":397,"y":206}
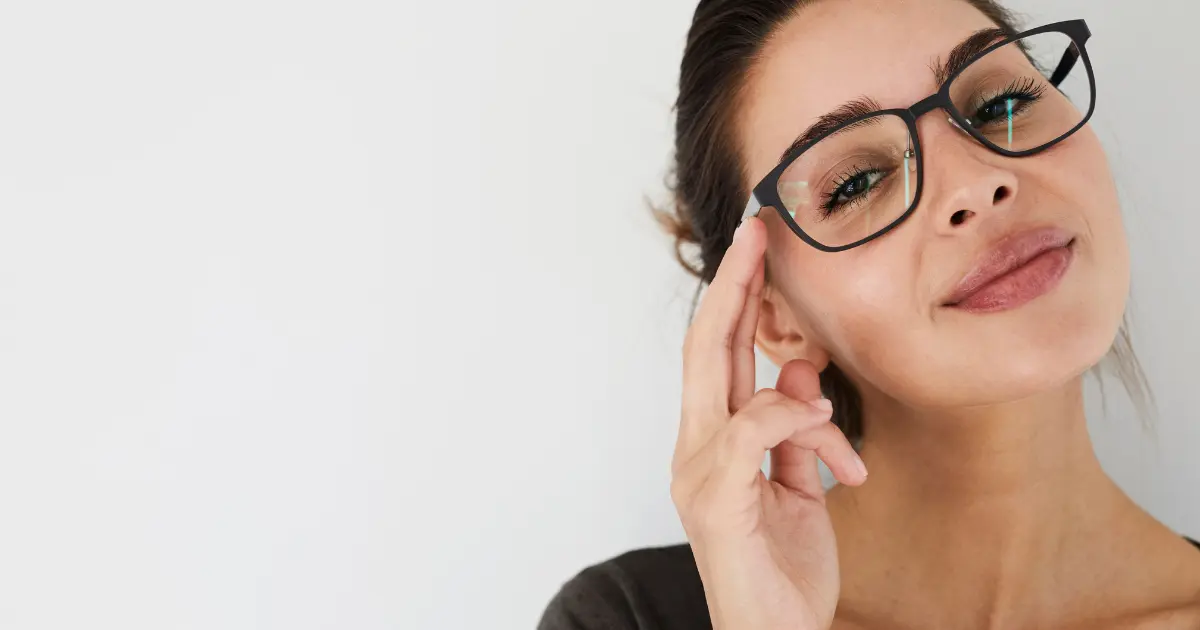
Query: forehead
{"x":835,"y":51}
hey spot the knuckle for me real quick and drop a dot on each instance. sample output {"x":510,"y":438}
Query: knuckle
{"x":829,"y":430}
{"x":767,"y":396}
{"x":827,"y":435}
{"x":743,"y":342}
{"x":727,"y":336}
{"x":794,"y":406}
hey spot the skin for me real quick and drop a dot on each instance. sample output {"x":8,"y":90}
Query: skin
{"x":986,"y":506}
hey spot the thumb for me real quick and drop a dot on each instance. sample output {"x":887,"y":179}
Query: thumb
{"x":800,"y":380}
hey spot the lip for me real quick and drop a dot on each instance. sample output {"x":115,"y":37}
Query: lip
{"x":1017,"y":269}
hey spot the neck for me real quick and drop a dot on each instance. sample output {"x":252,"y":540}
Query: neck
{"x":1035,"y":453}
{"x":999,"y":506}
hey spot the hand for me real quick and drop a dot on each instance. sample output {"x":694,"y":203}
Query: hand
{"x":764,"y":546}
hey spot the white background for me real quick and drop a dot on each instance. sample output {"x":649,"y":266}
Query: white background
{"x":352,"y":315}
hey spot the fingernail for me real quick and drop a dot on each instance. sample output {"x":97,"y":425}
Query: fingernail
{"x":824,"y":404}
{"x":862,"y":468}
{"x":741,"y":229}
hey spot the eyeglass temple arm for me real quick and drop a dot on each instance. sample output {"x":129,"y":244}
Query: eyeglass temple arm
{"x":1065,"y":66}
{"x":752,"y":209}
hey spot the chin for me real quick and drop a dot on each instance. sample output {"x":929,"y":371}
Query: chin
{"x":995,"y":358}
{"x":966,"y":359}
{"x":1034,"y":370}
{"x":1047,"y":342}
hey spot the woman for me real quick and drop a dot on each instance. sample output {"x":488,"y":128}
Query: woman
{"x":934,"y":287}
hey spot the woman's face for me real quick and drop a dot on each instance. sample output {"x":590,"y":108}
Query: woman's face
{"x":881,"y":310}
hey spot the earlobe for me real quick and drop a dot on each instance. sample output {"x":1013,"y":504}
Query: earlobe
{"x":780,"y":337}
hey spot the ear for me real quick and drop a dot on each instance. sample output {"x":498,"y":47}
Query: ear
{"x":781,"y":338}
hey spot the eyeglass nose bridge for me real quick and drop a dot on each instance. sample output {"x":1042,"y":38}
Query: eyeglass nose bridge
{"x":928,"y":104}
{"x":936,"y":101}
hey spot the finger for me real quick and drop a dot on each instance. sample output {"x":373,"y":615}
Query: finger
{"x":829,"y":444}
{"x":799,"y":379}
{"x":796,"y":468}
{"x":706,"y":360}
{"x":742,"y":384}
{"x":767,"y":420}
{"x":792,"y":465}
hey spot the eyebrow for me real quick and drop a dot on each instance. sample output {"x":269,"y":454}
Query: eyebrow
{"x":958,"y":59}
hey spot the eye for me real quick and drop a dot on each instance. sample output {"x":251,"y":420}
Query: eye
{"x":1017,"y":98}
{"x":852,"y":188}
{"x":993,"y":110}
{"x":998,"y":109}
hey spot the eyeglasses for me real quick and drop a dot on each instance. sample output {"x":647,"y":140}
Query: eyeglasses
{"x":858,"y":171}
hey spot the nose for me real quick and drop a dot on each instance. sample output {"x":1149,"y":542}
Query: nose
{"x":969,"y":183}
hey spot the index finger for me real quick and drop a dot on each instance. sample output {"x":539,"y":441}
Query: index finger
{"x":708,"y":346}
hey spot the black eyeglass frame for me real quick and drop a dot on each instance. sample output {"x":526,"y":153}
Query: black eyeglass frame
{"x":766,"y":192}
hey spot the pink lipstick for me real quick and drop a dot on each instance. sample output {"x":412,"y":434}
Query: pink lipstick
{"x":1014,"y":271}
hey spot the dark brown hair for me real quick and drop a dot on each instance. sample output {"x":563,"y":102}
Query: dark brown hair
{"x":723,"y":44}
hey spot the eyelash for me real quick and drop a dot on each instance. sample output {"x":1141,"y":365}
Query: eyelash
{"x":830,"y":206}
{"x":1026,"y":90}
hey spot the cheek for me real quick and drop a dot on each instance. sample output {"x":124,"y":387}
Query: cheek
{"x":864,"y":308}
{"x":1075,"y":176}
{"x":855,"y":303}
{"x":1107,"y":248}
{"x":1088,"y":189}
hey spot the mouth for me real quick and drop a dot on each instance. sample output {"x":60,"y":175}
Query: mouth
{"x":1016,"y":270}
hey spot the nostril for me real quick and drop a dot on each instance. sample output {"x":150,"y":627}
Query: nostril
{"x":1002,"y":193}
{"x":960,"y":217}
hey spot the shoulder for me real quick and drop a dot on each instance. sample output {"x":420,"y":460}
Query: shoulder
{"x":1183,"y":609}
{"x":653,"y":588}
